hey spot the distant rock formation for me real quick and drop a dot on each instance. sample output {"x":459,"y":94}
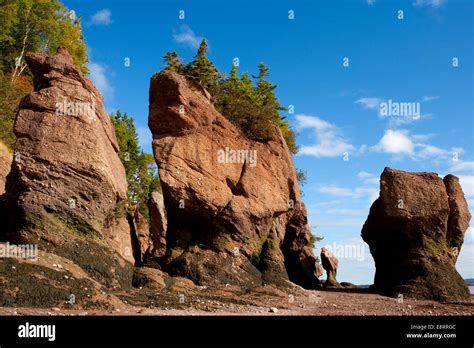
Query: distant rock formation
{"x":415,"y":230}
{"x":67,"y":184}
{"x":5,"y":163}
{"x":330,"y":264}
{"x":233,"y":205}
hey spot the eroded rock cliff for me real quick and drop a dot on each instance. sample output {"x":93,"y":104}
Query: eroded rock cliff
{"x":415,"y":230}
{"x":67,"y":183}
{"x":234,"y":208}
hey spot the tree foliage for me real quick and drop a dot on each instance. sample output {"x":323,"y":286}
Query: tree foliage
{"x":11,"y":93}
{"x":173,"y":62}
{"x":201,"y":68}
{"x":38,"y":26}
{"x":301,"y":176}
{"x":253,"y":107}
{"x":250,"y":106}
{"x":139,"y":166}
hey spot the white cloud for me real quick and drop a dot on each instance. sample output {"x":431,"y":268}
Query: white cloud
{"x":330,"y":143}
{"x":395,"y":121}
{"x":469,"y":236}
{"x":358,"y":192}
{"x":466,"y":256}
{"x":430,"y":151}
{"x":368,"y":178}
{"x":102,"y":17}
{"x":467,"y":184}
{"x":421,"y":137}
{"x":432,"y":3}
{"x":345,"y":211}
{"x":370,"y":2}
{"x":426,"y":151}
{"x":401,"y":143}
{"x":327,"y":204}
{"x":364,"y":175}
{"x":99,"y":77}
{"x":427,"y":98}
{"x":372,"y":103}
{"x":462,"y":166}
{"x":335,"y":190}
{"x":187,"y":37}
{"x":374,"y":181}
{"x":395,"y":142}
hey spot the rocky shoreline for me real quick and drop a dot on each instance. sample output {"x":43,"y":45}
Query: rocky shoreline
{"x":225,"y":236}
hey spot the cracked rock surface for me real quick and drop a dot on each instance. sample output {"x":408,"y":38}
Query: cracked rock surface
{"x":234,"y":208}
{"x":66,"y":184}
{"x":415,"y":230}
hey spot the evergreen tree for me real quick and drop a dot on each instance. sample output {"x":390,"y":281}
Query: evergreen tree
{"x":253,"y":107}
{"x":265,"y":91}
{"x":271,"y":107}
{"x":237,"y":99}
{"x":173,"y":62}
{"x":202,"y":70}
{"x":227,"y":93}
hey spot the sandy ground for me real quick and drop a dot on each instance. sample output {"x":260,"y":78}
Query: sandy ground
{"x":265,"y":300}
{"x":53,"y":275}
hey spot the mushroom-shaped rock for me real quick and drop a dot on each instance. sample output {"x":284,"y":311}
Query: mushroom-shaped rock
{"x":330,"y":264}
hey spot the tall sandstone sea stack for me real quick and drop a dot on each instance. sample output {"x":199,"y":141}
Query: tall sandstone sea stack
{"x":234,"y":208}
{"x":67,"y":184}
{"x":415,"y":231}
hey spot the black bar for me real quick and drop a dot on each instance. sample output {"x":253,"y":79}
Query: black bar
{"x":241,"y":330}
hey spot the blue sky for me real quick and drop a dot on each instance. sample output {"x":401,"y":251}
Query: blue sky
{"x":424,"y":58}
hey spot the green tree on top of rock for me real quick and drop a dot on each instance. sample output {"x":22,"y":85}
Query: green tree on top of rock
{"x":173,"y":62}
{"x":271,"y":107}
{"x":251,"y":107}
{"x":201,"y":68}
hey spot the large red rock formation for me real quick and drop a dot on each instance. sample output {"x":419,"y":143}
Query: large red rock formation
{"x":234,"y":208}
{"x":67,"y":182}
{"x":415,"y":231}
